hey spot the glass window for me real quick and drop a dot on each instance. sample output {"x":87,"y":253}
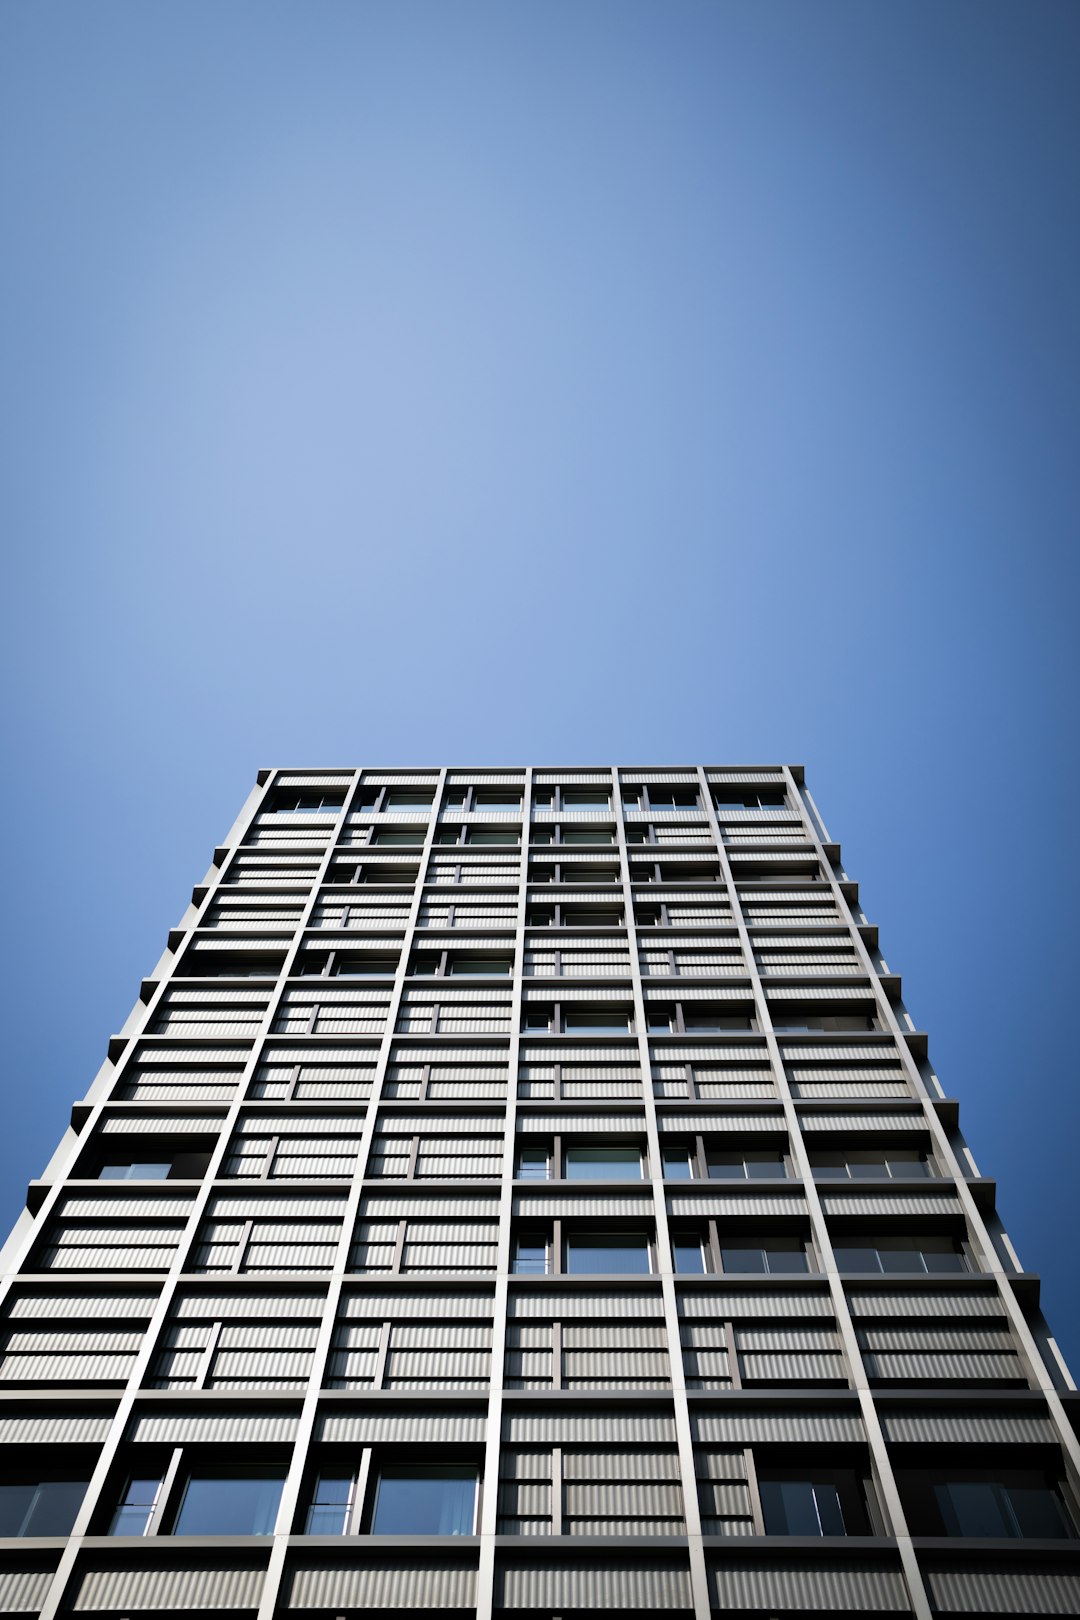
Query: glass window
{"x":425,"y":1502}
{"x":531,"y":1255}
{"x":508,"y":802}
{"x":988,"y":1508}
{"x":365,"y":967}
{"x":595,"y":1023}
{"x":331,"y":1505}
{"x":746,"y":1166}
{"x":306,"y":804}
{"x":491,"y":835}
{"x":132,"y":1517}
{"x":676,"y":1163}
{"x":408,"y":799}
{"x":481,"y":967}
{"x":587,"y":835}
{"x":136,"y":1170}
{"x":397,"y":838}
{"x":624,"y":1252}
{"x":229,"y":1505}
{"x":532,"y":1164}
{"x":585,"y":917}
{"x":537,"y":1019}
{"x":590,"y":874}
{"x":40,"y":1507}
{"x":778,"y":1257}
{"x":662,"y":798}
{"x":697,"y":1023}
{"x":689,"y":1253}
{"x":602,"y":1164}
{"x":585,"y":799}
{"x":799,"y":1507}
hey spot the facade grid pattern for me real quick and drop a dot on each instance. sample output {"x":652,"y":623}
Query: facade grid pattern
{"x":526,"y":1190}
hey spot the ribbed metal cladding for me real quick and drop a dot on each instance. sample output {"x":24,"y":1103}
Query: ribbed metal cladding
{"x":802,"y":1585}
{"x":23,"y":1590}
{"x":978,"y":1589}
{"x":188,"y":1585}
{"x":596,"y":1585}
{"x":318,"y":1210}
{"x":380,"y":1586}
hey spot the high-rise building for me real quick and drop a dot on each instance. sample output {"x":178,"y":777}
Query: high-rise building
{"x":524,"y":1191}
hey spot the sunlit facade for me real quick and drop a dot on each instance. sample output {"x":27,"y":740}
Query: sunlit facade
{"x":524,"y":1190}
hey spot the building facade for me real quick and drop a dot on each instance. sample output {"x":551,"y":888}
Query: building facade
{"x":524,"y":1191}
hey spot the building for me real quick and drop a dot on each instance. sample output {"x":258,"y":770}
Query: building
{"x":468,"y":1223}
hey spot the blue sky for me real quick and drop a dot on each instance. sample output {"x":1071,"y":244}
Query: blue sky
{"x":598,"y":382}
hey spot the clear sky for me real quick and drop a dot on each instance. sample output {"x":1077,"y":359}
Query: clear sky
{"x":572,"y":382}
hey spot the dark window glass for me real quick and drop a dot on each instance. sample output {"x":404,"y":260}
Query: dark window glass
{"x":778,"y":1257}
{"x":584,"y":1023}
{"x":365,"y":967}
{"x":626,"y":1252}
{"x":397,"y":839}
{"x":491,"y":835}
{"x":531,"y":1255}
{"x":798,"y":1507}
{"x":510,"y":803}
{"x":425,"y":1502}
{"x":585,"y":799}
{"x":676,"y":1164}
{"x":229,"y":1505}
{"x":481,"y":967}
{"x":408,"y":800}
{"x":532,"y":1164}
{"x":40,"y":1507}
{"x":704,"y":1022}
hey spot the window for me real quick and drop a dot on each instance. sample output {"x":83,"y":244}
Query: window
{"x":738,"y":1166}
{"x":481,"y":967}
{"x":587,"y":917}
{"x":331,"y":1505}
{"x":491,"y":835}
{"x":676,"y":1162}
{"x":365,"y":967}
{"x":44,"y":1507}
{"x":737,"y":799}
{"x":229,"y":1505}
{"x":586,"y":835}
{"x":531,"y":1254}
{"x":533,"y":1164}
{"x":389,"y":837}
{"x":779,"y":1256}
{"x":408,"y":799}
{"x":132,"y":1517}
{"x":663,"y":798}
{"x":306,"y":804}
{"x":623,"y":1252}
{"x":425,"y":1501}
{"x":864,"y":1164}
{"x":690,"y":1249}
{"x":508,"y":803}
{"x":801,"y":1507}
{"x":811,"y":1023}
{"x":983,"y":1508}
{"x":136,"y":1170}
{"x":602,"y":1164}
{"x":585,"y":799}
{"x":929,"y":1254}
{"x":596,"y":1023}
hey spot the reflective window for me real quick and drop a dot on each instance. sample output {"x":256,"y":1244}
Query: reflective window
{"x":229,"y":1505}
{"x":510,"y":803}
{"x":532,"y":1164}
{"x":585,"y":799}
{"x":531,"y":1255}
{"x":136,"y":1170}
{"x":331,"y":1505}
{"x":481,"y":967}
{"x":40,"y":1507}
{"x":408,"y":799}
{"x":625,"y":1252}
{"x":778,"y":1257}
{"x":929,"y":1254}
{"x":746,"y":1166}
{"x":689,"y":1253}
{"x":676,"y":1163}
{"x":425,"y":1502}
{"x":985,"y":1508}
{"x":491,"y":835}
{"x":589,"y":1023}
{"x":132,"y":1517}
{"x":602,"y":1164}
{"x":798,"y":1507}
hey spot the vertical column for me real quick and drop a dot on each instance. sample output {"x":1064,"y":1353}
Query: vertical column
{"x":485,"y":1589}
{"x":880,"y":1461}
{"x":699,"y":1584}
{"x":55,"y":1594}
